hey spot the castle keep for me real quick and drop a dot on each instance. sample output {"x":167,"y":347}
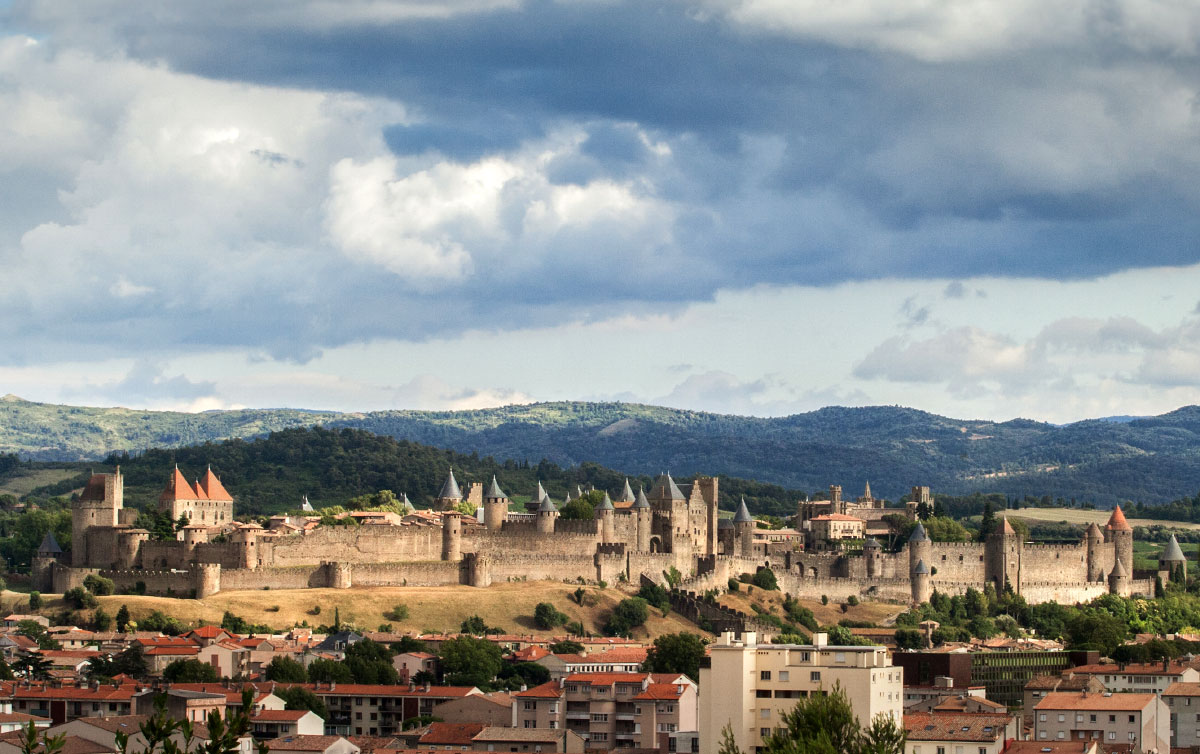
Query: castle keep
{"x":643,"y":535}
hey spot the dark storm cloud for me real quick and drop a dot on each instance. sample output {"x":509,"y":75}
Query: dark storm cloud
{"x":747,"y":156}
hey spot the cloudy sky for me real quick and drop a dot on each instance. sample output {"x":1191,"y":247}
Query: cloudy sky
{"x":984,"y":208}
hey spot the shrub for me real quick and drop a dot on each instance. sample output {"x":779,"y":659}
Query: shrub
{"x":764,"y":579}
{"x":35,"y":601}
{"x":733,"y":585}
{"x":824,"y":599}
{"x":627,"y":615}
{"x":316,"y":610}
{"x":98,"y":585}
{"x":79,"y":598}
{"x":852,"y":600}
{"x":657,"y":596}
{"x":398,"y":613}
{"x":547,"y":616}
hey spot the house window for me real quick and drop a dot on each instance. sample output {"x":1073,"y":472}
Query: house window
{"x":815,"y":676}
{"x":783,"y":676}
{"x":764,"y":675}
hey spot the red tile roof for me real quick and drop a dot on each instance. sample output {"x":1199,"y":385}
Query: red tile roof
{"x":548,"y":690}
{"x":279,"y":716}
{"x":214,"y":489}
{"x":1086,"y":701}
{"x":1117,"y":522}
{"x":177,"y":489}
{"x":1133,"y":668}
{"x":660,"y":691}
{"x":450,"y":734}
{"x":606,"y":679}
{"x":954,"y":726}
{"x":209,"y":632}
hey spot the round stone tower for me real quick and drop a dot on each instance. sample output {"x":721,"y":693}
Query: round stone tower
{"x":547,"y":514}
{"x":42,"y":564}
{"x":1095,"y":557}
{"x":1120,"y":534}
{"x":129,"y":543}
{"x":645,"y":520}
{"x":340,"y":575}
{"x":451,"y":536}
{"x":1118,"y":581}
{"x":1172,"y":561}
{"x":495,"y":506}
{"x":743,"y":527}
{"x":209,"y":579}
{"x":606,"y":515}
{"x":920,"y":547}
{"x":1002,"y":552}
{"x":922,"y":583}
{"x":450,"y":496}
{"x":873,"y":553}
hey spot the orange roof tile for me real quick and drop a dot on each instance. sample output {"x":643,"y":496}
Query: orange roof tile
{"x":1117,"y":522}
{"x":214,"y":489}
{"x":452,"y":734}
{"x":954,"y":726}
{"x":177,"y":489}
{"x":606,"y":679}
{"x":660,"y":691}
{"x":548,"y":690}
{"x":1086,"y":701}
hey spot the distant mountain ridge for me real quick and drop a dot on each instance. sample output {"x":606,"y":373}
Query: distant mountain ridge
{"x":1152,"y":459}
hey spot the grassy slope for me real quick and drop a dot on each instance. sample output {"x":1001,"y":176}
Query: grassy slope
{"x":1085,"y":517}
{"x":880,"y":613}
{"x":509,"y":606}
{"x":27,"y":481}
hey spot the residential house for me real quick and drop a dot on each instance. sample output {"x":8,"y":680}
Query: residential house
{"x":503,"y":739}
{"x":958,"y":732}
{"x":312,"y":745}
{"x":1140,"y":721}
{"x":495,"y":708}
{"x":269,"y":724}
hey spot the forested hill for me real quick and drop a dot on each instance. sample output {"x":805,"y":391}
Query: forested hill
{"x":1152,"y":459}
{"x":272,"y":474}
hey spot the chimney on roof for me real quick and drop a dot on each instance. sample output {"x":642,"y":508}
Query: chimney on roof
{"x":426,"y":686}
{"x":1166,"y":664}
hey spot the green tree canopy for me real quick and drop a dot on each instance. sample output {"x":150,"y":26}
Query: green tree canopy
{"x":298,"y":697}
{"x":190,"y":671}
{"x":675,"y":653}
{"x":286,"y":670}
{"x":826,"y":724}
{"x":469,"y":661}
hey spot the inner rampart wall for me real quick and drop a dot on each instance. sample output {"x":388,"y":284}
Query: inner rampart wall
{"x":356,"y":544}
{"x":958,"y":562}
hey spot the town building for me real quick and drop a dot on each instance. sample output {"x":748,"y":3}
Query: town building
{"x":958,"y":732}
{"x":1140,"y":721}
{"x":748,"y":686}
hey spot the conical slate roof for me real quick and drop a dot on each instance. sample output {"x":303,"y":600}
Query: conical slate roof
{"x":724,"y":523}
{"x":547,"y":506}
{"x":494,"y":491}
{"x":306,"y":506}
{"x":1118,"y":572}
{"x":49,"y":545}
{"x":743,"y":514}
{"x":919,"y":534}
{"x":867,"y":492}
{"x":665,"y":487}
{"x":1093,"y":530}
{"x":641,"y":502}
{"x":567,"y":499}
{"x":921,"y":568}
{"x":1006,"y":528}
{"x":871,"y":544}
{"x":1172,"y":552}
{"x":627,"y":493}
{"x":540,"y":492}
{"x":605,"y":504}
{"x":450,"y":488}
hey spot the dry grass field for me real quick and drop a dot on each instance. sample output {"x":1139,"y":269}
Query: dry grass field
{"x":879,"y":613}
{"x":28,"y":481}
{"x":1085,"y":517}
{"x":509,"y":606}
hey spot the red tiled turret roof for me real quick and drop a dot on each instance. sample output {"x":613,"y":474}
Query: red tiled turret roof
{"x":177,"y":489}
{"x":213,"y":488}
{"x":1117,"y":521}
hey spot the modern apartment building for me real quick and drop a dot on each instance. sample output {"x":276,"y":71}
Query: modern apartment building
{"x":1183,"y":702}
{"x":613,"y":710}
{"x":1140,"y":721}
{"x":749,"y":686}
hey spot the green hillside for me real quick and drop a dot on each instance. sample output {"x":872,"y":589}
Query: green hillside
{"x":1153,"y":459}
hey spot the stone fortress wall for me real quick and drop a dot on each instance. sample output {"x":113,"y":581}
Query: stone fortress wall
{"x":641,"y":537}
